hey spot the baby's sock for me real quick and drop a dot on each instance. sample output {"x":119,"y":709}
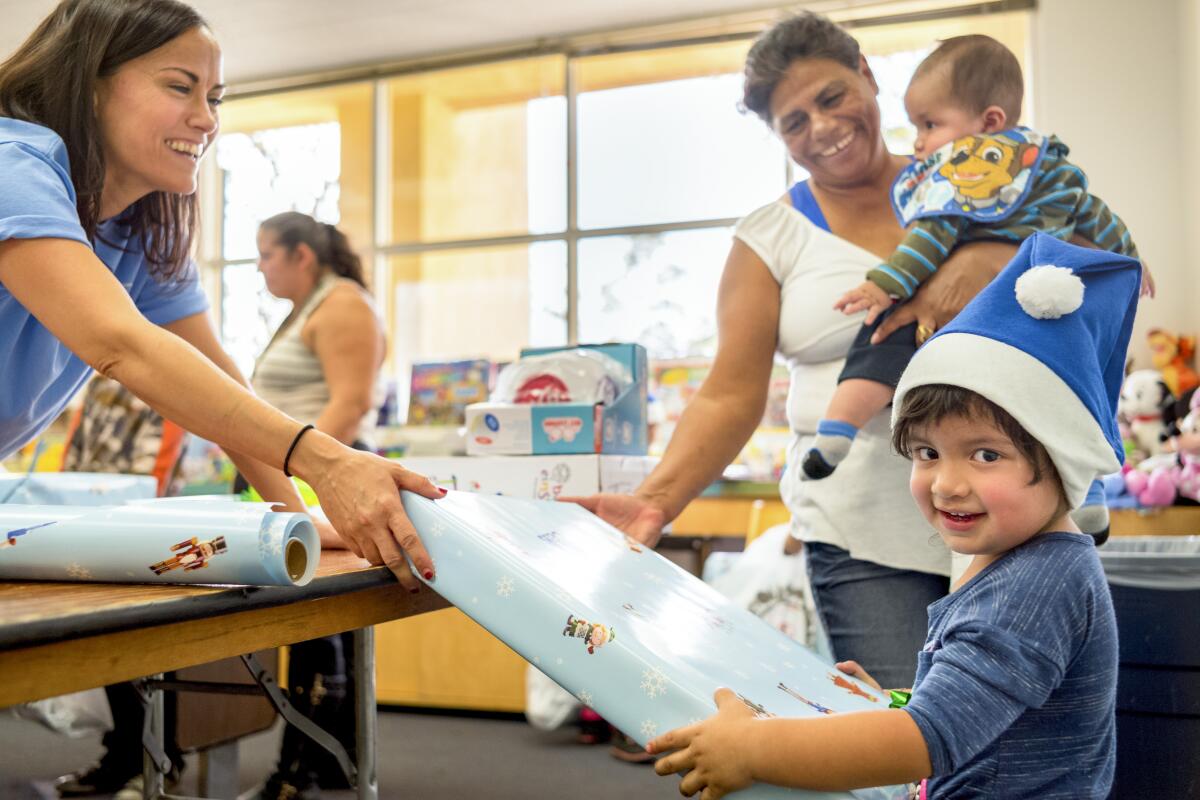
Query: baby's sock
{"x":1092,"y":516}
{"x":830,"y":448}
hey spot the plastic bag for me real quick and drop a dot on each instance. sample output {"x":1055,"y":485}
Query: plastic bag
{"x":548,"y":706}
{"x":773,"y":586}
{"x":564,"y":376}
{"x":73,"y":715}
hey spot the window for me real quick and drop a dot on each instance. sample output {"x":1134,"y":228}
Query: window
{"x":485,"y":239}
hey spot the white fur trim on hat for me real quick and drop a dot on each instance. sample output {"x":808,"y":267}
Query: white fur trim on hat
{"x":1028,"y":390}
{"x":1049,"y":292}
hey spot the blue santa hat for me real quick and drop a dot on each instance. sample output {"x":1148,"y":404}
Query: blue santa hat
{"x":1045,"y":341}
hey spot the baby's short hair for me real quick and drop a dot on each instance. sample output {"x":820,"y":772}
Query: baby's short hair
{"x":930,"y":404}
{"x":982,"y":73}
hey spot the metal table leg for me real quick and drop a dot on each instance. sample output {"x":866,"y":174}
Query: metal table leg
{"x":365,"y":712}
{"x":154,"y":761}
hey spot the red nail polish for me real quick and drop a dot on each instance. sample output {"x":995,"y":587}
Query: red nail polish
{"x":442,"y":490}
{"x":428,"y":574}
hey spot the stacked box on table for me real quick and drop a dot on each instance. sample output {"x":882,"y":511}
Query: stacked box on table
{"x":622,"y":628}
{"x":535,"y":477}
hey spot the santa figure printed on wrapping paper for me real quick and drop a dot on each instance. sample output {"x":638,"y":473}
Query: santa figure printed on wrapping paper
{"x":191,"y":555}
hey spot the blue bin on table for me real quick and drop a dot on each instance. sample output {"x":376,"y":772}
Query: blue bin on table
{"x":1155,"y":583}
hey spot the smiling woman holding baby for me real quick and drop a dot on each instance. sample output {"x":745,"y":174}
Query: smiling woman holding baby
{"x":873,"y":566}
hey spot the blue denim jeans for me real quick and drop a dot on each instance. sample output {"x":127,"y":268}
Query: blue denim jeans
{"x":875,"y":615}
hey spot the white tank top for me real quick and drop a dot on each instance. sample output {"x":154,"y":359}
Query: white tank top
{"x":288,"y":374}
{"x":865,"y":507}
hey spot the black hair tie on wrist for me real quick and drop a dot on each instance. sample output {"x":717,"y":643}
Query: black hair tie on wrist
{"x":291,"y":449}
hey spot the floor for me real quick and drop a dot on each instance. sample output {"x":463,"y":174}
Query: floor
{"x":421,"y":757}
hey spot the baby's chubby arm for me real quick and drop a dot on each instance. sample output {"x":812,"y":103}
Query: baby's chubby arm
{"x":866,"y":296}
{"x":735,"y":747}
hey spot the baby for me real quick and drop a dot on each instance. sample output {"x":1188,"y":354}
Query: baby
{"x":974,"y":177}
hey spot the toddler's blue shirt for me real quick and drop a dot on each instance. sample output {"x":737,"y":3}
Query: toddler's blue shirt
{"x":1015,"y":692}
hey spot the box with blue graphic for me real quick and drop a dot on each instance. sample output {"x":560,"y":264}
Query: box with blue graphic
{"x":625,"y":630}
{"x":540,"y":428}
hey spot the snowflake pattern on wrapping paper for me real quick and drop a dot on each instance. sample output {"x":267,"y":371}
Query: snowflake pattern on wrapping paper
{"x":783,"y":647}
{"x":741,"y":674}
{"x":789,"y":665}
{"x":270,"y":543}
{"x":649,"y":728}
{"x":767,"y":667}
{"x":78,"y":571}
{"x":654,"y":682}
{"x":650,"y":576}
{"x":504,"y":587}
{"x":438,"y":529}
{"x":585,"y":697}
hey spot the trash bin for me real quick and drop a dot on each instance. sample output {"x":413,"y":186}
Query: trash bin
{"x":1155,"y":582}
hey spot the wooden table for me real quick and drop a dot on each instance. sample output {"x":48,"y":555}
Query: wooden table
{"x":57,"y":638}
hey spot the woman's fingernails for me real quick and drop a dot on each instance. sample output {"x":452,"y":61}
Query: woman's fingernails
{"x":428,"y":574}
{"x":443,"y":490}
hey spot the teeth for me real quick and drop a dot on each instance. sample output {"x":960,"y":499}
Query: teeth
{"x":839,"y":146}
{"x":185,"y":147}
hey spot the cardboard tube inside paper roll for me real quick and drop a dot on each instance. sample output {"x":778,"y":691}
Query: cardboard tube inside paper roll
{"x":179,"y":540}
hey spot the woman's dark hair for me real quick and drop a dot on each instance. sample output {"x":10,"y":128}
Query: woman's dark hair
{"x":51,"y":81}
{"x":930,"y":404}
{"x":331,"y":247}
{"x":805,"y":35}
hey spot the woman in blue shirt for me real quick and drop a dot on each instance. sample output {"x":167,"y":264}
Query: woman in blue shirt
{"x":105,"y":112}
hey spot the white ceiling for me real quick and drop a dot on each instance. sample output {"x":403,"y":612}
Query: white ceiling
{"x":274,"y":38}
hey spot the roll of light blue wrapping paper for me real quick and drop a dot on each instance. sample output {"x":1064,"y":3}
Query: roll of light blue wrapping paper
{"x":177,"y":540}
{"x":74,"y":488}
{"x":625,"y":630}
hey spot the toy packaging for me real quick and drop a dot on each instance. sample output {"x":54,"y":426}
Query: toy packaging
{"x":590,"y":399}
{"x":626,"y":631}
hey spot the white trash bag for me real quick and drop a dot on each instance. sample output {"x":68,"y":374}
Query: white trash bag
{"x":548,"y":706}
{"x":772,"y":585}
{"x":74,"y":715}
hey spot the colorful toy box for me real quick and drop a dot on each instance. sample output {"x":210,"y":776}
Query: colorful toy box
{"x":562,"y":428}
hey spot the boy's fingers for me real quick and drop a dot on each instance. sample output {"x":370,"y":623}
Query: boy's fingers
{"x":722,"y":696}
{"x":691,"y":783}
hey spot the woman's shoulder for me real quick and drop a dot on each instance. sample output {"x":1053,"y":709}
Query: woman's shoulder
{"x":344,"y":300}
{"x":27,"y":140}
{"x":30,"y":136}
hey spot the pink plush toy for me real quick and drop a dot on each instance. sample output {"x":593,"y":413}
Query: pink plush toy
{"x":1153,"y":485}
{"x":1189,"y":462}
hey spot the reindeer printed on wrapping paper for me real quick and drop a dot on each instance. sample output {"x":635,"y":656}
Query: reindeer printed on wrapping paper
{"x":593,"y":633}
{"x":191,"y":555}
{"x":843,"y":683}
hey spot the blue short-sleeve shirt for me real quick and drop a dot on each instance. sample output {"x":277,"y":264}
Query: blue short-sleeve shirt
{"x":38,"y":374}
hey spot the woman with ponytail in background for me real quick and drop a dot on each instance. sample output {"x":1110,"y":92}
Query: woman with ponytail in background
{"x":321,"y":366}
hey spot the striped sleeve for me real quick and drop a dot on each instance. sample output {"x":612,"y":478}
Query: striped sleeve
{"x":924,"y":249}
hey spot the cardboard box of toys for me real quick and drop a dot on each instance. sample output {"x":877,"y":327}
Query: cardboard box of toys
{"x":536,"y":477}
{"x":538,"y":427}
